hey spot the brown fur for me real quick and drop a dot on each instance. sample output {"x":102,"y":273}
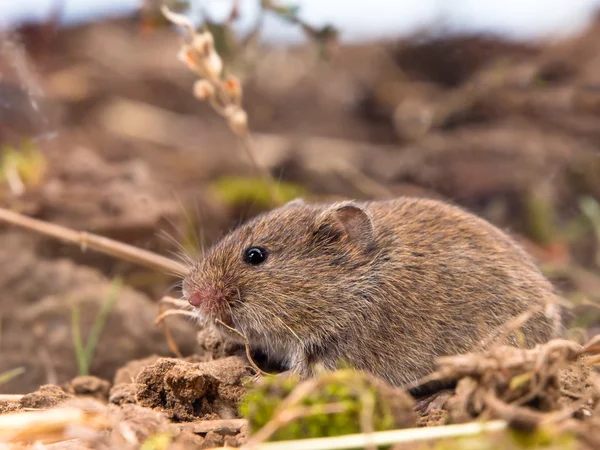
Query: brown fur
{"x":384,"y":286}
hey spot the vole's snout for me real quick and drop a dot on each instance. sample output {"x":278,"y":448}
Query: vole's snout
{"x":206,"y":297}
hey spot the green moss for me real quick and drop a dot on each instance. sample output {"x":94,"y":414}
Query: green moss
{"x":351,"y":389}
{"x":543,"y":437}
{"x":235,"y":191}
{"x":160,"y":441}
{"x":28,"y":162}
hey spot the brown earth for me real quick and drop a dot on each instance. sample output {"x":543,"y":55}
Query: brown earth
{"x":508,"y":130}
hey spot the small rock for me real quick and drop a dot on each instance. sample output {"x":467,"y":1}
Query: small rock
{"x":123,"y":393}
{"x":89,"y":386}
{"x":46,"y":396}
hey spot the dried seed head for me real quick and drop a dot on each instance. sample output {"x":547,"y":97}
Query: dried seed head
{"x":213,"y":64}
{"x":233,"y":89}
{"x":237,"y":118}
{"x":188,"y":56}
{"x":203,"y":43}
{"x":203,"y":90}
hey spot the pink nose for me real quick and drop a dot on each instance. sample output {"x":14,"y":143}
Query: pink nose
{"x":203,"y":297}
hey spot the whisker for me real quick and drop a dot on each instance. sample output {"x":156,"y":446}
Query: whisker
{"x":190,"y":223}
{"x":288,"y":327}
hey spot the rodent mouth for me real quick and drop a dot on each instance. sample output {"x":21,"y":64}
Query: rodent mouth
{"x":211,"y":306}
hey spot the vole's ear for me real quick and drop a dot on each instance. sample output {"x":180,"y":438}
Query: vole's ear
{"x":349,"y":222}
{"x":295,"y":202}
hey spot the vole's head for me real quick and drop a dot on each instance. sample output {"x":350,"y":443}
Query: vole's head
{"x":285,"y":274}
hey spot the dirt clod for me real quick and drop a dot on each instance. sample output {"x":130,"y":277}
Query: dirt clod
{"x":122,"y":393}
{"x":89,"y":386}
{"x":46,"y":396}
{"x":189,"y":391}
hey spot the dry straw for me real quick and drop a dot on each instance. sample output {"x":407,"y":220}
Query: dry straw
{"x":223,"y":92}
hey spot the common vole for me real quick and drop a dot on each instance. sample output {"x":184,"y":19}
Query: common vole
{"x":384,"y":286}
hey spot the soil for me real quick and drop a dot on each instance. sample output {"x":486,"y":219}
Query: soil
{"x":508,"y":130}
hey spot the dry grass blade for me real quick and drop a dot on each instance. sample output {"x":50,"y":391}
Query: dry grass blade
{"x":246,"y":344}
{"x":95,"y":242}
{"x":383,"y":438}
{"x":163,"y":314}
{"x":46,"y":426}
{"x":10,"y":397}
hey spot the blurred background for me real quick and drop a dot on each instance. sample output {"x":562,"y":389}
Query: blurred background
{"x":492,"y":105}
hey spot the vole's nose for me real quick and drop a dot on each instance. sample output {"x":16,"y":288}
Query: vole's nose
{"x":203,"y":297}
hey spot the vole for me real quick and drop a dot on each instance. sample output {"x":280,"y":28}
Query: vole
{"x":385,"y":287}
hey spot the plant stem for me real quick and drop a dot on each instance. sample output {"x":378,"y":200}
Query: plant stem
{"x":98,"y":243}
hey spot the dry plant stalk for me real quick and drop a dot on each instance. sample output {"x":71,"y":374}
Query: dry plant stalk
{"x":383,"y":438}
{"x":224,"y":93}
{"x":246,"y":345}
{"x":99,"y":243}
{"x":104,"y":245}
{"x":47,"y":426}
{"x":166,"y":300}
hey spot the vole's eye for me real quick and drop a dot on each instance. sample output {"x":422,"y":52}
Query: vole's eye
{"x":255,"y":255}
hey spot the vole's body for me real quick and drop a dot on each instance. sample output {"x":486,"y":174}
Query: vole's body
{"x":384,"y":286}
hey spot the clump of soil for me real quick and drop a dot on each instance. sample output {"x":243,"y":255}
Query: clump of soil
{"x":187,"y":391}
{"x":89,"y":386}
{"x":46,"y":396}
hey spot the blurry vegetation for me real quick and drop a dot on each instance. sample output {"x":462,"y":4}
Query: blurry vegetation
{"x":84,"y":353}
{"x":591,"y":209}
{"x":160,"y":441}
{"x":343,"y":402}
{"x":7,"y":376}
{"x":236,"y":191}
{"x":21,"y":168}
{"x":239,"y":52}
{"x":541,"y":438}
{"x":545,"y":437}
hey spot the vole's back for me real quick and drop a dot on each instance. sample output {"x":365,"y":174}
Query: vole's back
{"x":446,"y":280}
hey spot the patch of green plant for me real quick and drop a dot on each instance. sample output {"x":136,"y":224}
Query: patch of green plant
{"x":84,"y":353}
{"x":5,"y":377}
{"x":540,"y":216}
{"x":235,"y":191}
{"x":542,"y":437}
{"x":27,"y":162}
{"x":159,"y":441}
{"x":359,"y":397}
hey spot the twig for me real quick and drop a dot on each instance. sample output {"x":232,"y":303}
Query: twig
{"x":247,"y":345}
{"x":102,"y":244}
